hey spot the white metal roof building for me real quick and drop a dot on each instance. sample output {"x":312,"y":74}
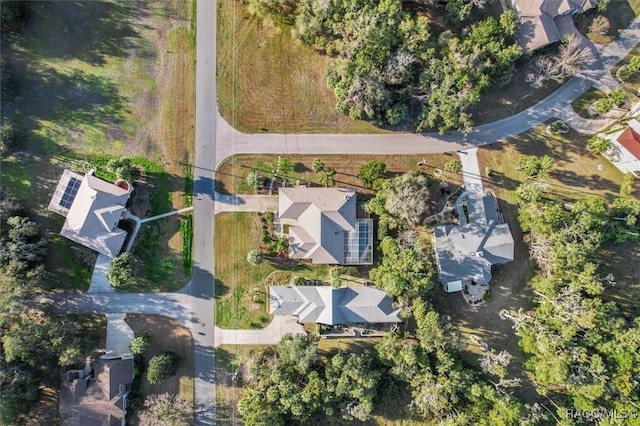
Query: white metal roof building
{"x":93,"y":208}
{"x":322,"y":226}
{"x":333,"y":306}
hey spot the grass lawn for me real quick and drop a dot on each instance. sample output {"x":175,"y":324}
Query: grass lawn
{"x":574,"y":175}
{"x":231,"y":175}
{"x":267,"y":82}
{"x":581,"y":105}
{"x":620,"y":13}
{"x":89,"y":81}
{"x":240,"y":287}
{"x":166,"y":335}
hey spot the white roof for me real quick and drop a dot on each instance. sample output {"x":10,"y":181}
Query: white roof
{"x":319,"y":218}
{"x":93,"y":217}
{"x":332,"y":306}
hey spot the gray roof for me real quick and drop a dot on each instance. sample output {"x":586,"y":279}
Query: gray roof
{"x":537,"y":26}
{"x":467,"y":252}
{"x":319,"y":220}
{"x":94,"y":214}
{"x":111,"y":373}
{"x":97,"y":400}
{"x":332,"y":306}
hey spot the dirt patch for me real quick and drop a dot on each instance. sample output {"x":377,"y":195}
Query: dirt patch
{"x":45,"y":411}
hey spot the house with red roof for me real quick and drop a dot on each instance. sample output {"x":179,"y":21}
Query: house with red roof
{"x":624,"y":152}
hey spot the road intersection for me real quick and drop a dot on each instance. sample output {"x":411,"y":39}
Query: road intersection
{"x":216,"y":140}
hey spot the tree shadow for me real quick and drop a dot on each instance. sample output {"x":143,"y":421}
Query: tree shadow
{"x":300,"y":168}
{"x":220,"y":289}
{"x":577,"y":182}
{"x":88,"y":31}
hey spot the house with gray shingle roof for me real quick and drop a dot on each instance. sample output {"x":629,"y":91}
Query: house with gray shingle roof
{"x":322,"y":226}
{"x":92,"y":207}
{"x":98,"y":395}
{"x":465,"y":253}
{"x":333,"y":306}
{"x":540,"y":19}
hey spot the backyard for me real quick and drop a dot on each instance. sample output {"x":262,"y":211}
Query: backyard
{"x":84,"y":82}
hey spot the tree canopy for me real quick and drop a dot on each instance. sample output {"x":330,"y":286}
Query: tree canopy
{"x":383,"y":59}
{"x":581,"y":346}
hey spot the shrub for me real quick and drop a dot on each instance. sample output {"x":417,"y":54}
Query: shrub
{"x":162,"y":366}
{"x":318,"y":165}
{"x":300,"y":281}
{"x":123,"y":168}
{"x":252,"y":178}
{"x":254,"y":257}
{"x":372,"y":173}
{"x":397,"y":113}
{"x":598,"y":144}
{"x":120,"y":274}
{"x":627,"y":185}
{"x":453,"y":166}
{"x":269,"y":216}
{"x":334,"y":276}
{"x":140,"y":344}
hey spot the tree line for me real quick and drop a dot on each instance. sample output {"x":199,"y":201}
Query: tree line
{"x":34,"y":341}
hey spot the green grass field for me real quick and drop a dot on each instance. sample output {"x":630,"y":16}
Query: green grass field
{"x":88,"y":81}
{"x":266,"y":82}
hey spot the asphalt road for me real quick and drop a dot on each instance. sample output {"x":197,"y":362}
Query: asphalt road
{"x":202,"y":282}
{"x":231,"y":142}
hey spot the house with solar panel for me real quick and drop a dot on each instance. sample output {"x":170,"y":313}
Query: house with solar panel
{"x":92,"y":208}
{"x":325,"y":226}
{"x":333,"y":306}
{"x":624,"y":150}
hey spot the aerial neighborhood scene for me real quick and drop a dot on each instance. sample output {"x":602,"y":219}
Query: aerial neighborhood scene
{"x":320,"y":212}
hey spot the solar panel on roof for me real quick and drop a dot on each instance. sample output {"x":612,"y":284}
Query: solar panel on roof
{"x":70,"y":193}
